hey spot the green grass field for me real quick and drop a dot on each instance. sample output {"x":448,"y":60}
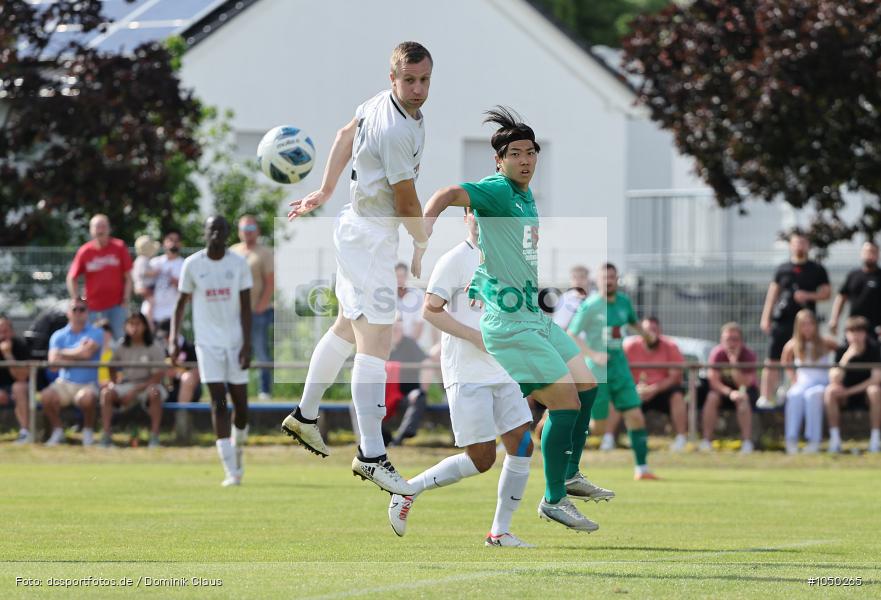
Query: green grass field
{"x":716,"y":526}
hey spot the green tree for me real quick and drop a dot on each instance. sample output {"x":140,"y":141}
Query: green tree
{"x":84,"y":131}
{"x":775,"y":99}
{"x":603,"y":22}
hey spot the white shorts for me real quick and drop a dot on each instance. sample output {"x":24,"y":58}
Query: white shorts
{"x":366,"y":254}
{"x":479,"y":412}
{"x":220,"y":365}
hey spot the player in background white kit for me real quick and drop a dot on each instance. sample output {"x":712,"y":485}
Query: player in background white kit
{"x":484,"y":400}
{"x":219,"y":283}
{"x":385,"y":141}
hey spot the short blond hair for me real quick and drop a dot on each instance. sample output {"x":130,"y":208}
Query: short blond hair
{"x":409,"y":53}
{"x":731,"y":326}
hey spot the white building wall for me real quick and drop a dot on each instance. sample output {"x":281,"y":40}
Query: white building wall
{"x":309,"y":64}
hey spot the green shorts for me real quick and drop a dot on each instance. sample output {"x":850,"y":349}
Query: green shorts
{"x":534,"y":353}
{"x":620,"y":391}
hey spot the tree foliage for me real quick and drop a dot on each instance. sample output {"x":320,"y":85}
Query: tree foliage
{"x":602,"y":22}
{"x":775,"y":99}
{"x":83,"y":131}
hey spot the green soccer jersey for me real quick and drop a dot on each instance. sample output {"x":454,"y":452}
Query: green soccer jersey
{"x":603,"y":325}
{"x":507,"y":278}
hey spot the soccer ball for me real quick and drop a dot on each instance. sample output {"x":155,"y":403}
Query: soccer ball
{"x":286,"y":154}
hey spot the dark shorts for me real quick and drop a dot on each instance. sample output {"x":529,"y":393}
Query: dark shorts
{"x":6,"y":394}
{"x":780,"y":334}
{"x":661,"y":402}
{"x":857,"y":402}
{"x":704,"y":389}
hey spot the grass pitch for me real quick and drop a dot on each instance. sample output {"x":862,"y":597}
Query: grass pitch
{"x":301,"y":527}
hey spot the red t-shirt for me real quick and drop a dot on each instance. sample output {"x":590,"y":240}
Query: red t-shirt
{"x":105,"y":270}
{"x":665,"y":352}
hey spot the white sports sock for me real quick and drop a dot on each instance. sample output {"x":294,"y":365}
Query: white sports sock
{"x":680,"y":438}
{"x":642,"y":469}
{"x":227,"y":456}
{"x":512,"y":484}
{"x":368,"y":396}
{"x":239,"y":438}
{"x":875,"y":436}
{"x":834,"y":435}
{"x":448,"y":471}
{"x":330,"y":353}
{"x":608,"y":438}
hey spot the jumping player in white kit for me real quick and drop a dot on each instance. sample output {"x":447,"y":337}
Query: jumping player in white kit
{"x":484,"y":401}
{"x":385,"y":141}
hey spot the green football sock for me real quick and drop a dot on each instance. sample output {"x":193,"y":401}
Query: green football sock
{"x":580,"y":431}
{"x":639,"y":443}
{"x":556,"y":442}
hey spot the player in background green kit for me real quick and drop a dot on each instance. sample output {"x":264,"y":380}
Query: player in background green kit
{"x":534,"y":351}
{"x":603,"y":318}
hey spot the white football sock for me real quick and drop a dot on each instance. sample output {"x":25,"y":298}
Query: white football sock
{"x":512,"y":484}
{"x":327,"y":359}
{"x":368,"y":396}
{"x":239,"y":438}
{"x":227,"y":456}
{"x":834,"y":436}
{"x":449,"y":470}
{"x":875,"y":437}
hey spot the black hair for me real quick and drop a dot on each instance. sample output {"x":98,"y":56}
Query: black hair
{"x":652,"y":319}
{"x":148,"y":335}
{"x":608,"y":265}
{"x":511,"y":129}
{"x":172,"y":230}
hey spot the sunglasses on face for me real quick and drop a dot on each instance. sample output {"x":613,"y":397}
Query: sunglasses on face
{"x":248,"y":227}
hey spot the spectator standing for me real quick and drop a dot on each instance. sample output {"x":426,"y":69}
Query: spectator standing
{"x":129,"y":385}
{"x":658,"y":388}
{"x":76,"y":341}
{"x":143,"y":277}
{"x":106,"y":264}
{"x":862,"y":288}
{"x":735,"y":385}
{"x":571,"y":299}
{"x":854,"y":386}
{"x":14,"y":379}
{"x":798,"y":283}
{"x":261,"y":261}
{"x":167,"y":267}
{"x":804,"y":400}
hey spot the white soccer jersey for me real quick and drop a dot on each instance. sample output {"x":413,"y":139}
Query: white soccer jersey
{"x":461,"y":361}
{"x":215,"y":286}
{"x":387,"y":150}
{"x":165,"y":293}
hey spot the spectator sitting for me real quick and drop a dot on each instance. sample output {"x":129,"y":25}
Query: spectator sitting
{"x":854,"y":386}
{"x":571,"y":299}
{"x":13,"y":379}
{"x":76,"y":341}
{"x":143,"y":275}
{"x":804,"y":400}
{"x":107,"y":266}
{"x":659,"y":389}
{"x":132,"y":384}
{"x":412,"y":384}
{"x":735,"y":385}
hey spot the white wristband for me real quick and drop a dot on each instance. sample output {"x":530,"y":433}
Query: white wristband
{"x":421,"y":245}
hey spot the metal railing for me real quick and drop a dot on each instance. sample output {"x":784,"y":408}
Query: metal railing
{"x":690,"y":370}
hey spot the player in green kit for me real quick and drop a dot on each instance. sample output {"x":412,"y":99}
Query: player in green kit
{"x":534,"y":351}
{"x":603,"y":318}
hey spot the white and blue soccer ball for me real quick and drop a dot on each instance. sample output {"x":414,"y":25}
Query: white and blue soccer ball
{"x":286,"y":154}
